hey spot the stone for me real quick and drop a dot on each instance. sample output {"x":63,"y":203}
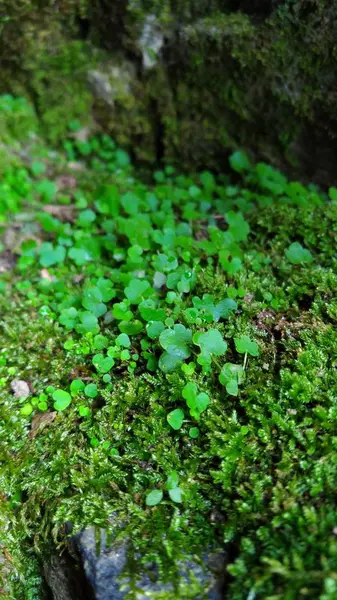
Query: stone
{"x":65,"y":579}
{"x":8,"y":261}
{"x":151,"y":41}
{"x":101,"y":86}
{"x":113,"y":82}
{"x":105,"y":567}
{"x":20,"y":388}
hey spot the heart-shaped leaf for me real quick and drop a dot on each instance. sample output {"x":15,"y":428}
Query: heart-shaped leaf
{"x":197,"y":403}
{"x":175,"y":418}
{"x":231,"y":376}
{"x":61,"y":399}
{"x":176,"y":343}
{"x":298,"y":255}
{"x":103,"y":363}
{"x":211,"y":344}
{"x":244,"y":345}
{"x":136,"y":289}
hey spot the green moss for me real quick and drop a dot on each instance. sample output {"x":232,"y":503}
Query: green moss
{"x":259,"y":481}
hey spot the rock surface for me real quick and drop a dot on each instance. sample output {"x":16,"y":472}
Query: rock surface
{"x":104,"y":567}
{"x":20,"y":388}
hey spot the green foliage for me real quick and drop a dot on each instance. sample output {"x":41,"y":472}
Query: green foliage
{"x":181,"y":368}
{"x":244,"y":345}
{"x":298,"y":255}
{"x":62,"y":399}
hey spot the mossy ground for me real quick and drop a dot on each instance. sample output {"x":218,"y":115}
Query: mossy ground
{"x":259,"y":481}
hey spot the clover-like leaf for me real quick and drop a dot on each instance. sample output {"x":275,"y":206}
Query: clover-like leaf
{"x":214,"y":312}
{"x":154,"y":329}
{"x":61,"y":399}
{"x":211,"y":344}
{"x":298,"y":255}
{"x":172,"y":480}
{"x":165,"y":263}
{"x":194,"y":432}
{"x":240,"y":162}
{"x":90,"y":390}
{"x":136,"y":289}
{"x":68,"y":317}
{"x":231,"y":376}
{"x":76,"y":387}
{"x":123,"y":340}
{"x":51,"y":255}
{"x":238,"y":227}
{"x":103,"y":363}
{"x":197,"y":403}
{"x":88,"y":324}
{"x":93,"y":301}
{"x":105,"y":286}
{"x":149,"y":311}
{"x":176,"y":343}
{"x":244,"y":345}
{"x":122,"y":312}
{"x":230,"y":264}
{"x":175,"y":418}
{"x":80,"y":256}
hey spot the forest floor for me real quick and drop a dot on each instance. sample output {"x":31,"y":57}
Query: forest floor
{"x":168,"y":355}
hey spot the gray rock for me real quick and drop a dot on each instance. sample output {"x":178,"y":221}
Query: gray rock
{"x":101,"y":86}
{"x":151,"y":41}
{"x":159,"y":279}
{"x":20,"y":388}
{"x":65,"y":579}
{"x":105,"y":567}
{"x":113,"y":81}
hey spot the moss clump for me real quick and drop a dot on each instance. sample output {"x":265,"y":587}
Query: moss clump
{"x":109,"y":271}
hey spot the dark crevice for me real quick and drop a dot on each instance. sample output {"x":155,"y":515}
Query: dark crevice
{"x":262,"y":9}
{"x":83,"y":28}
{"x":305,"y":302}
{"x":159,"y":133}
{"x":64,"y":577}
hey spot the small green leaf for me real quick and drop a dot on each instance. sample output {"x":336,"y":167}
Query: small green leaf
{"x":194,"y":432}
{"x":231,"y":376}
{"x":298,"y":255}
{"x":176,"y":494}
{"x":26,"y":409}
{"x":90,"y":390}
{"x":154,"y":498}
{"x":123,"y":340}
{"x":238,"y":227}
{"x":80,"y":256}
{"x":175,"y":418}
{"x":239,"y":162}
{"x":172,"y":480}
{"x":61,"y":400}
{"x":154,"y":329}
{"x":84,"y":411}
{"x":136,"y":289}
{"x":103,"y":363}
{"x":176,"y":343}
{"x":51,"y":255}
{"x":85,"y":218}
{"x":244,"y":345}
{"x":211,"y":344}
{"x":76,"y":387}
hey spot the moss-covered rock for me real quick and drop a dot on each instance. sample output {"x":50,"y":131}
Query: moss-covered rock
{"x":221,"y":75}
